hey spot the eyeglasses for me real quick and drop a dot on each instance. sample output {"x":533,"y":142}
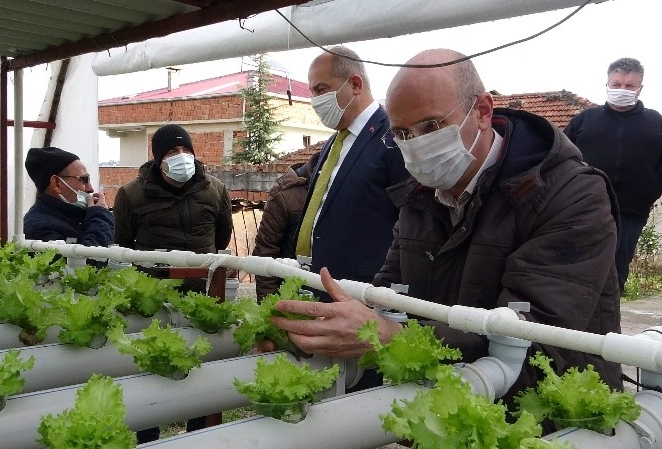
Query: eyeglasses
{"x":419,"y":129}
{"x":85,"y":179}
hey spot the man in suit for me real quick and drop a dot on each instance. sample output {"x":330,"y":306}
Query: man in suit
{"x":348,"y":217}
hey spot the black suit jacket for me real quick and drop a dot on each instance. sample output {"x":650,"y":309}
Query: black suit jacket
{"x":355,"y":226}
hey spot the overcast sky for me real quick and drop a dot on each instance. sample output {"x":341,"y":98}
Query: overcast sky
{"x":573,"y":56}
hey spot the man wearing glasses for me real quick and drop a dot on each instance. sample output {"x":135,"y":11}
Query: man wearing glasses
{"x":501,"y":209}
{"x":66,"y":205}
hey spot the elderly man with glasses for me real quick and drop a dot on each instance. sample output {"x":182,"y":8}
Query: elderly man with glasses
{"x":66,"y":205}
{"x":501,"y":208}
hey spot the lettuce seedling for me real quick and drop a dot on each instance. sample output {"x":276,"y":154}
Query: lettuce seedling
{"x":11,"y":368}
{"x":146,"y":294}
{"x":450,"y":415}
{"x":161,"y":351}
{"x":205,"y":312}
{"x":95,"y":422}
{"x":413,"y":354}
{"x":576,"y":395}
{"x":284,"y":381}
{"x":86,"y":280}
{"x":254,"y":320}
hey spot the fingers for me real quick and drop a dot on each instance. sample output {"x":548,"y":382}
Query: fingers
{"x":332,"y":288}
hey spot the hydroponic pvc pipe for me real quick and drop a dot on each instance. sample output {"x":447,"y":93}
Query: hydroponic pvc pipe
{"x":150,"y":400}
{"x":612,"y":347}
{"x":59,"y":365}
{"x":135,"y":323}
{"x":644,"y":433}
{"x":351,"y":422}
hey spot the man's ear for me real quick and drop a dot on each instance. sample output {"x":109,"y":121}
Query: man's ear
{"x":357,"y":83}
{"x":485,"y":108}
{"x":55,"y":184}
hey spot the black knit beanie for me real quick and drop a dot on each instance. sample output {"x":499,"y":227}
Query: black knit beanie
{"x":42,"y":163}
{"x":168,"y":137}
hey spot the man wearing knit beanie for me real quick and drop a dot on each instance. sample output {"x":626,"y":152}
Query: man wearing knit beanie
{"x":173,"y":205}
{"x":66,"y":205}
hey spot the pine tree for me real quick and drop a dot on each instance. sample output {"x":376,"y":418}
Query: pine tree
{"x":260,"y":118}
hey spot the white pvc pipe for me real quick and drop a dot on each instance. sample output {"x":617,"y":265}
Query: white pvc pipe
{"x":350,"y":421}
{"x":613,"y":347}
{"x":18,"y":152}
{"x":135,"y":323}
{"x":59,"y":365}
{"x":150,"y":400}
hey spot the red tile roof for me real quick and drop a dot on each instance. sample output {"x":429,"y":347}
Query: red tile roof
{"x":557,"y":107}
{"x":300,"y":156}
{"x":222,"y":85}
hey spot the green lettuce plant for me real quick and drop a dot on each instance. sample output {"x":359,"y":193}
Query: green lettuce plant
{"x":576,"y":395}
{"x":11,"y":368}
{"x":97,"y":420}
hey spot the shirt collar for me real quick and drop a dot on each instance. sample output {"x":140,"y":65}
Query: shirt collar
{"x":360,"y":121}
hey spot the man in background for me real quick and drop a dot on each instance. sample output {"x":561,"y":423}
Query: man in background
{"x":282,"y":213}
{"x":348,"y":218}
{"x":624,"y":139}
{"x":66,"y":205}
{"x":173,"y":205}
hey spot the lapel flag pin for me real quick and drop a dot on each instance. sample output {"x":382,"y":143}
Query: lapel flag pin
{"x":372,"y":129}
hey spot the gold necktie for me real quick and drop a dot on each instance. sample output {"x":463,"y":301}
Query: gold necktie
{"x":306,"y":230}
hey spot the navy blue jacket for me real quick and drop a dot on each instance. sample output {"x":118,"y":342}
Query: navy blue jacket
{"x":355,"y":226}
{"x":627,"y":146}
{"x":52,"y":219}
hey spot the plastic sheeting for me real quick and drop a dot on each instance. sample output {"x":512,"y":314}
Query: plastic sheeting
{"x":325,"y":22}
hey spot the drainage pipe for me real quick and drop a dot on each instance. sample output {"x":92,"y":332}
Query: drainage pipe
{"x":150,"y":400}
{"x":613,"y":347}
{"x":60,"y":365}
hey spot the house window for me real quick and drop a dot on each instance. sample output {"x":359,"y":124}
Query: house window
{"x":306,"y":141}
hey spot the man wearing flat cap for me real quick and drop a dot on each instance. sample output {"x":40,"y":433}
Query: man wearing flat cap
{"x":66,"y":205}
{"x":173,"y":205}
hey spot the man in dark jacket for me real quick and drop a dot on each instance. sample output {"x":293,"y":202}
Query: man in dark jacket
{"x":624,"y":140}
{"x":501,"y":209}
{"x":276,"y":234}
{"x":173,"y":205}
{"x":66,"y":205}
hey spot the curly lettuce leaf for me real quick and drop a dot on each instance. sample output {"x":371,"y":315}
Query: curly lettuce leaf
{"x":23,"y":304}
{"x":146,"y":294}
{"x":254,"y":320}
{"x":95,"y":422}
{"x":205,"y":312}
{"x":81,"y":317}
{"x":284,"y":381}
{"x":86,"y":280}
{"x":161,"y":350}
{"x":11,"y":368}
{"x":576,"y":395}
{"x":413,"y":354}
{"x":450,"y":415}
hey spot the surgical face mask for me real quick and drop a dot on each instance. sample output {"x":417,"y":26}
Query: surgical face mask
{"x":81,"y":197}
{"x":438,"y":159}
{"x":181,"y":167}
{"x":622,"y":97}
{"x":327,"y":108}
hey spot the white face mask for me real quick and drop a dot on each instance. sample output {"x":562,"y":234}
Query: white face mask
{"x":438,"y":159}
{"x":622,"y":97}
{"x":81,"y":197}
{"x":181,"y":167}
{"x":327,"y":108}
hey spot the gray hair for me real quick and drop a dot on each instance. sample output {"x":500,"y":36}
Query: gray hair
{"x":468,"y":82}
{"x":626,"y":65}
{"x":343,"y":67}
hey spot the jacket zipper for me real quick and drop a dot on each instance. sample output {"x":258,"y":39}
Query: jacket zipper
{"x":430,"y":273}
{"x":186,"y":220}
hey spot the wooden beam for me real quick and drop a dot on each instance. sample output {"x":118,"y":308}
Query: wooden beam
{"x":220,"y":12}
{"x":34,"y":124}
